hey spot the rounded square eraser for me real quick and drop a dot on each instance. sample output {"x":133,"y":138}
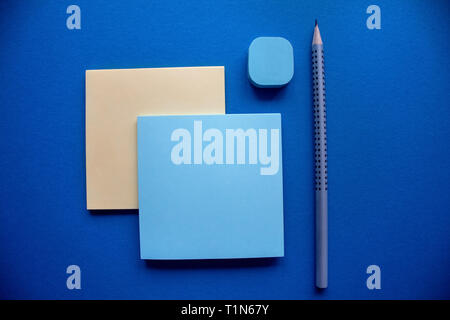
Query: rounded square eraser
{"x":270,"y":62}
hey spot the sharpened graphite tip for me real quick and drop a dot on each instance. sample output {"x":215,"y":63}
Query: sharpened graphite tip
{"x":316,"y":22}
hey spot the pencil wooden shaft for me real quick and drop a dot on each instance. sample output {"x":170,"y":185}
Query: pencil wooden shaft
{"x":321,"y":166}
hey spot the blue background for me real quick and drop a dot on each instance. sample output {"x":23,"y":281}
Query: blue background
{"x":388,"y":134}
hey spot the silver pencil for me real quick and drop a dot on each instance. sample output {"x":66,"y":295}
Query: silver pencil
{"x":320,"y":156}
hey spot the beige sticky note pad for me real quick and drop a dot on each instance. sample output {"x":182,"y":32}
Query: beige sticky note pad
{"x":114,"y":99}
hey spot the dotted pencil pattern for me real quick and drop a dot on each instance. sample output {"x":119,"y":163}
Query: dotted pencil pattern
{"x":320,"y":122}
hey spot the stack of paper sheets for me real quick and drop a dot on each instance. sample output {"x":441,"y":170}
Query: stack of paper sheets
{"x":207,"y":185}
{"x":210,"y":187}
{"x":114,"y":99}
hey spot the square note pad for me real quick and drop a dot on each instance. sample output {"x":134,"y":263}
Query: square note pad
{"x":114,"y":98}
{"x":210,"y":186}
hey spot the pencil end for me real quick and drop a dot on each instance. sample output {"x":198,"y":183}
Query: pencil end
{"x":316,"y":23}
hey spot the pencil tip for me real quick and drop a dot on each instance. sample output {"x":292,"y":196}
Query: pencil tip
{"x":316,"y":37}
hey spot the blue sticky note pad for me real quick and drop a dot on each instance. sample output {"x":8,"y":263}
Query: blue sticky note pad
{"x":210,"y":186}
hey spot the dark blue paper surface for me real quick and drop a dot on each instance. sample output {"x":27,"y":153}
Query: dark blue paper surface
{"x":388,"y":94}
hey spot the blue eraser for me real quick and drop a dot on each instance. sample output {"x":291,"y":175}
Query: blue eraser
{"x":270,"y":62}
